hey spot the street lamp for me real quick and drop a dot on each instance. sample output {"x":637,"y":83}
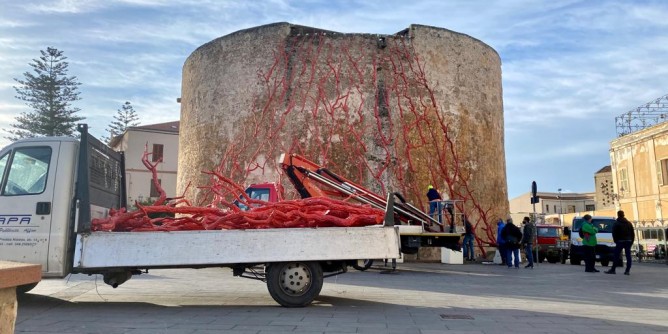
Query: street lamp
{"x":561,"y":209}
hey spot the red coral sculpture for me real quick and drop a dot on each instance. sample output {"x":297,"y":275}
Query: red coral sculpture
{"x":222,"y":214}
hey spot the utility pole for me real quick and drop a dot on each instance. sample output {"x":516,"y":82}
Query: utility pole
{"x":534,"y":199}
{"x":561,"y":209}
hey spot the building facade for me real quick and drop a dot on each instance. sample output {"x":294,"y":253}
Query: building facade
{"x":556,"y":207}
{"x":162,"y":142}
{"x":639,"y":166}
{"x":603,"y":184}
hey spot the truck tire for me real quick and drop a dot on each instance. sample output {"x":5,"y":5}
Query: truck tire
{"x":294,"y":284}
{"x":367,"y":264}
{"x":605,"y":263}
{"x":552,"y":259}
{"x":575,"y":261}
{"x":563,"y":255}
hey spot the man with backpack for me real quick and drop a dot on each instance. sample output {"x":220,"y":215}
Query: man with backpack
{"x":588,"y":235}
{"x":512,"y":235}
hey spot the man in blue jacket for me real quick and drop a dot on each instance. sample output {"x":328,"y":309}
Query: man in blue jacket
{"x":500,"y":242}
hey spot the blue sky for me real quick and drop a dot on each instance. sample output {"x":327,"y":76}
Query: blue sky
{"x":569,"y":67}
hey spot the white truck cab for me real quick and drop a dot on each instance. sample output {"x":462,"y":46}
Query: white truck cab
{"x":43,"y":193}
{"x":32,"y":229}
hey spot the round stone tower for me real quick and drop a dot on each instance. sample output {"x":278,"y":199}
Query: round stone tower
{"x":392,"y":112}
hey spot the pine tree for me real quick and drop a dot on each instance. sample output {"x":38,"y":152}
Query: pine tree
{"x":125,"y":117}
{"x":49,"y":92}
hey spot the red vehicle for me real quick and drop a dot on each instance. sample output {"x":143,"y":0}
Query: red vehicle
{"x":547,"y":243}
{"x":313,"y":180}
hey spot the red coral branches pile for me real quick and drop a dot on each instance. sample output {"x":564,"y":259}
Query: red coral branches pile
{"x":224,"y":215}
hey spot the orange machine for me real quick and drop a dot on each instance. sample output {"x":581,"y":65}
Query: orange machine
{"x":313,"y":180}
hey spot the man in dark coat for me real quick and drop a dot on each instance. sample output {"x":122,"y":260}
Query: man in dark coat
{"x":623,"y":236}
{"x":469,"y":235}
{"x":434,"y":202}
{"x":512,"y":235}
{"x":528,"y":234}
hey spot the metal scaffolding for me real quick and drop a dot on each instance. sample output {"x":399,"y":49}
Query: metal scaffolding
{"x":642,"y":117}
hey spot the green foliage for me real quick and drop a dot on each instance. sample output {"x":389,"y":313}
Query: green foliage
{"x":125,"y":117}
{"x":49,"y":92}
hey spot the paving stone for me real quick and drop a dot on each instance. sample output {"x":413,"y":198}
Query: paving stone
{"x":422,"y":298}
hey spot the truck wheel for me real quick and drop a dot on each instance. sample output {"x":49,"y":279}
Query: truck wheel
{"x":366,"y":265}
{"x":294,"y":284}
{"x":563,"y":256}
{"x":552,"y":259}
{"x":575,"y":261}
{"x":605,"y":263}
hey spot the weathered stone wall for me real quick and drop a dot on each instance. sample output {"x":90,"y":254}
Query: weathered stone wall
{"x":466,"y":76}
{"x":219,"y":84}
{"x":395,"y":112}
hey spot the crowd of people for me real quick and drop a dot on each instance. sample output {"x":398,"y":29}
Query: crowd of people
{"x":510,"y":238}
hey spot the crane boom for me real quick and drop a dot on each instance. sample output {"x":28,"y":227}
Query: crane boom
{"x":313,"y":180}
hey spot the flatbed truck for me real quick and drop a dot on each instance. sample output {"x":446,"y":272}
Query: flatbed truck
{"x":52,"y":188}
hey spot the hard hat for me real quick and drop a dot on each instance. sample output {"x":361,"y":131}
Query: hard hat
{"x":430,"y":187}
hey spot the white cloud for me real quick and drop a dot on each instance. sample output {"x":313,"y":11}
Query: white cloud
{"x":63,"y":6}
{"x":564,"y":62}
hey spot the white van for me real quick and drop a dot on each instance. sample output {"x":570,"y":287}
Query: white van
{"x":605,"y":245}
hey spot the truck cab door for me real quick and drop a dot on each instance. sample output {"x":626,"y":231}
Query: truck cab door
{"x":27,"y":178}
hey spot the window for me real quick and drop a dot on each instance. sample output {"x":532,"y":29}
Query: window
{"x":549,"y":231}
{"x":3,"y":164}
{"x":590,"y":207}
{"x":28,"y":170}
{"x":571,"y":209}
{"x":154,"y":190}
{"x":261,"y":194}
{"x":547,"y":208}
{"x":258,"y":193}
{"x":555,"y":209}
{"x":662,"y":172}
{"x":623,"y":181}
{"x":157,"y":153}
{"x":604,"y":225}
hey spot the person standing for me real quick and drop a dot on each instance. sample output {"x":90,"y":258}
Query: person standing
{"x":589,"y":244}
{"x":623,"y":236}
{"x":500,"y":242}
{"x":469,"y":255}
{"x":528,"y":234}
{"x":512,"y":235}
{"x":434,"y":202}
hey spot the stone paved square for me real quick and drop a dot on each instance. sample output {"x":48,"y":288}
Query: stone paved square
{"x":420,"y":298}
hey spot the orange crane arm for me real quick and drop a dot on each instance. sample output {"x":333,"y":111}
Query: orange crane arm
{"x":313,"y":180}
